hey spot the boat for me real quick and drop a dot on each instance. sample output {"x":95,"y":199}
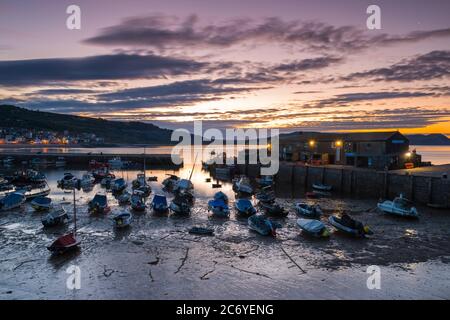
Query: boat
{"x":101,"y":173}
{"x":119,"y":185}
{"x":263,"y":225}
{"x":99,"y":204}
{"x":152,"y":178}
{"x":265,"y":181}
{"x":169,"y":182}
{"x":27,"y":177}
{"x":106,"y":182}
{"x":221,"y":196}
{"x":31,"y":192}
{"x":201,"y":231}
{"x":243,"y":186}
{"x":266,"y":194}
{"x":322,"y":187}
{"x":68,"y":181}
{"x":116,"y":163}
{"x":55,"y":218}
{"x":313,"y":227}
{"x":183,"y":185}
{"x":6,"y":189}
{"x":180,"y":205}
{"x":139,"y":181}
{"x":41,"y":203}
{"x":400,"y":206}
{"x":60,"y":162}
{"x":138,"y":202}
{"x":87,"y":179}
{"x":219,"y":208}
{"x":273,"y":208}
{"x":306,"y":210}
{"x":12,"y":201}
{"x":244,"y":207}
{"x":159,"y":203}
{"x":124,"y":198}
{"x":349,"y":226}
{"x":122,"y":219}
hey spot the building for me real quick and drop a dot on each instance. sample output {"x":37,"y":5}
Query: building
{"x":378,"y":150}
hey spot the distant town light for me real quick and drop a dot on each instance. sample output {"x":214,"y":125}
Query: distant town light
{"x":312,"y":143}
{"x":339,"y":143}
{"x":408,"y":155}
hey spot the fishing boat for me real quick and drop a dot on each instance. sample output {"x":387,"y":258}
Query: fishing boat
{"x":122,"y":219}
{"x":244,"y":207}
{"x":119,"y":185}
{"x":106,"y":182}
{"x":266,"y":194}
{"x":68,"y":181}
{"x":27,"y":177}
{"x":31,"y":192}
{"x":41,"y":203}
{"x":322,"y":187}
{"x":219,"y":208}
{"x":348,"y":225}
{"x":313,"y":227}
{"x":400,"y":206}
{"x":159,"y":203}
{"x":99,"y":204}
{"x":169,"y":182}
{"x":139,"y":181}
{"x":55,"y":218}
{"x":138,"y":202}
{"x":243,"y":186}
{"x":273,"y":208}
{"x":180,"y":205}
{"x":124,"y":198}
{"x":12,"y":201}
{"x":263,"y":225}
{"x":309,"y":211}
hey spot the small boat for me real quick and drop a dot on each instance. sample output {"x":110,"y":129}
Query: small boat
{"x":313,"y":227}
{"x":273,"y":208}
{"x":27,"y":177}
{"x":265,"y":181}
{"x":219,"y":208}
{"x":243,"y":186}
{"x":64,"y":244}
{"x":201,"y":231}
{"x":144,"y":190}
{"x":124,"y":198}
{"x":137,"y":202}
{"x":41,"y":203}
{"x":87,"y":179}
{"x":69,"y":181}
{"x":99,"y":204}
{"x":116,"y":163}
{"x":119,"y":185}
{"x":12,"y":201}
{"x":139,"y":181}
{"x":180,"y":205}
{"x":322,"y":187}
{"x":350,"y":226}
{"x":101,"y":173}
{"x":159,"y":203}
{"x":106,"y":182}
{"x":31,"y":192}
{"x":312,"y":212}
{"x":244,"y":207}
{"x":266,"y":195}
{"x":169,"y":182}
{"x":122,"y":219}
{"x":152,"y":178}
{"x":221,"y":196}
{"x":262,"y":225}
{"x":183,"y":185}
{"x":399,"y":207}
{"x":55,"y":218}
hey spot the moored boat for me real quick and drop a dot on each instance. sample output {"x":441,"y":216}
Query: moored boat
{"x":124,"y":198}
{"x":219,"y":208}
{"x":41,"y":203}
{"x":119,"y":185}
{"x":263,"y":225}
{"x":169,"y":182}
{"x":244,"y":207}
{"x":348,"y":225}
{"x":310,"y":211}
{"x":322,"y":187}
{"x":273,"y":208}
{"x":399,"y":207}
{"x":68,"y":181}
{"x":122,"y":219}
{"x":313,"y":227}
{"x":99,"y":204}
{"x":159,"y":203}
{"x":138,"y":202}
{"x":12,"y":201}
{"x":243,"y":186}
{"x":55,"y":218}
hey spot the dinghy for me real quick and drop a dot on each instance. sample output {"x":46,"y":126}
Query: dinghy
{"x":12,"y":201}
{"x":244,"y":207}
{"x":41,"y":203}
{"x":322,"y":187}
{"x":55,"y":218}
{"x":106,"y":182}
{"x":350,"y":226}
{"x":273,"y":208}
{"x":243,"y":186}
{"x":124,"y":198}
{"x":68,"y":181}
{"x":139,"y":181}
{"x":99,"y":204}
{"x":118,"y":185}
{"x":265,"y":181}
{"x":312,"y":212}
{"x":313,"y":227}
{"x":87,"y":180}
{"x":266,"y":195}
{"x":122,"y":219}
{"x":183,"y":185}
{"x":138,"y":202}
{"x":399,"y":207}
{"x":219,"y":208}
{"x":180,"y":205}
{"x":262,"y":225}
{"x":31,"y":192}
{"x":221,"y":196}
{"x":159,"y":204}
{"x":169,"y":182}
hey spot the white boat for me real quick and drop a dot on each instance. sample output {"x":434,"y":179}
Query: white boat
{"x":34,"y":192}
{"x":400,"y":207}
{"x":87,"y":179}
{"x":41,"y":203}
{"x":122,"y":219}
{"x":322,"y":187}
{"x":243,"y":186}
{"x":68,"y":181}
{"x":313,"y":227}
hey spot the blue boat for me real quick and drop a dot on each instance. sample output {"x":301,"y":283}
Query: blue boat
{"x":221,"y":196}
{"x":12,"y":201}
{"x":122,"y":219}
{"x":99,"y":204}
{"x":159,"y":203}
{"x":138,"y":202}
{"x":55,"y":218}
{"x":313,"y":227}
{"x":244,"y":207}
{"x":118,"y":185}
{"x":41,"y":203}
{"x":262,"y":225}
{"x":349,"y":226}
{"x":219,"y":208}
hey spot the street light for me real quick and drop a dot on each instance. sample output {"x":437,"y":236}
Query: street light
{"x":408,"y":155}
{"x":312,"y":143}
{"x":339,"y":143}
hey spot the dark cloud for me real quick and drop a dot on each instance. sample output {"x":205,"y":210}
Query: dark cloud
{"x":307,"y":64}
{"x":433,"y":65}
{"x":102,"y":67}
{"x":50,"y":92}
{"x":168,"y":32}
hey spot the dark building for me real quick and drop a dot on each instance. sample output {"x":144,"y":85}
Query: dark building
{"x":378,"y":150}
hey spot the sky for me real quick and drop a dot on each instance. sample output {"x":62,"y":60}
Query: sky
{"x":288,"y":64}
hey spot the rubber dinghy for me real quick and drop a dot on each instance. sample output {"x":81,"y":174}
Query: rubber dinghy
{"x":262,"y":225}
{"x":348,"y":225}
{"x":313,"y":227}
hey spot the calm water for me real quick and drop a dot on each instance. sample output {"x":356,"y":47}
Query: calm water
{"x":435,"y":154}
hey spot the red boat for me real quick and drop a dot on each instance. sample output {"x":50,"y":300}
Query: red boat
{"x":64,"y":243}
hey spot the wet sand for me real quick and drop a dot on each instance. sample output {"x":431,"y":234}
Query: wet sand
{"x":158,"y":259}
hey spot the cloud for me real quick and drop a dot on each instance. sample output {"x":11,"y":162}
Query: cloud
{"x":164,"y":32}
{"x":101,"y":67}
{"x":433,"y":65}
{"x":307,"y":64}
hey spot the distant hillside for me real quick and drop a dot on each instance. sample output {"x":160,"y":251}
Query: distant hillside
{"x":111,"y":131}
{"x":429,"y":139}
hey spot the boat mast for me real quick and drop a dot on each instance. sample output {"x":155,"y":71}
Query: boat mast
{"x":193,"y":165}
{"x":74,"y":214}
{"x":144,"y":166}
